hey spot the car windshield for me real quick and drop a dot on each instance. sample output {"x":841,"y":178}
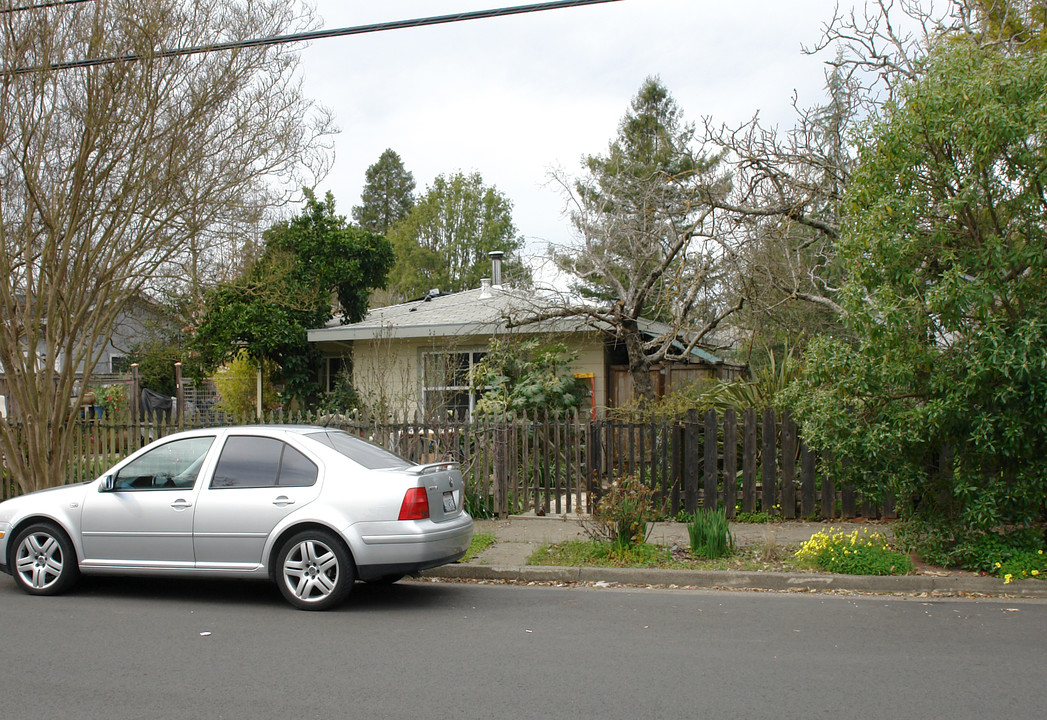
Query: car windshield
{"x":367,"y":454}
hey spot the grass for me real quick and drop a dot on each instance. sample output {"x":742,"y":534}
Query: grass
{"x":480,"y":542}
{"x":592,"y":553}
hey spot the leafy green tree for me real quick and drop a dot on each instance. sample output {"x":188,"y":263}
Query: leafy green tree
{"x":388,"y":195}
{"x":647,"y":245}
{"x":1018,"y":23}
{"x":445,"y":240}
{"x":527,"y":376}
{"x":308,"y":262}
{"x":945,"y":245}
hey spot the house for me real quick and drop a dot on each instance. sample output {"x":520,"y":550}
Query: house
{"x":418,"y":356}
{"x":139,"y":321}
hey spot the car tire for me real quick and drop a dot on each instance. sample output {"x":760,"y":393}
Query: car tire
{"x":43,"y":561}
{"x":314,"y":570}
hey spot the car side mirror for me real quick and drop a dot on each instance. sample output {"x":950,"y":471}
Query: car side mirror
{"x":108,"y":484}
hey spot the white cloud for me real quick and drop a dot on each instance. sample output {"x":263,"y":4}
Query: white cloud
{"x":514,"y":97}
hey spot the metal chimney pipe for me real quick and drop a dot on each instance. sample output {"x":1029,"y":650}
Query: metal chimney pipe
{"x":496,"y":267}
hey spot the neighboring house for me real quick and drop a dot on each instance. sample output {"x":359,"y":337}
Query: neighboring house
{"x":418,"y":356}
{"x":140,"y":321}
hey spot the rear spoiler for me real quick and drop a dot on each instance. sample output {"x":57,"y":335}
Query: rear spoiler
{"x":432,"y":467}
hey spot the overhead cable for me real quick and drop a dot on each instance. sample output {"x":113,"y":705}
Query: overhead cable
{"x":312,"y":35}
{"x":41,"y":6}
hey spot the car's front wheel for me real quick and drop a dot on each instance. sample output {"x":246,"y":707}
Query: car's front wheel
{"x":314,"y":570}
{"x":44,"y":561}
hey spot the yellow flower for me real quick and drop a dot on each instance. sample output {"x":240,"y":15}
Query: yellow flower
{"x":1007,"y":579}
{"x":997,"y":566}
{"x":1035,"y":572}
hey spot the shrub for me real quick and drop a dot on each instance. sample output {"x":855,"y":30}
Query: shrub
{"x":622,"y":515}
{"x":856,"y":553}
{"x":757,"y":517}
{"x":1022,"y":565}
{"x":114,"y":399}
{"x":979,"y":551}
{"x":710,"y":534}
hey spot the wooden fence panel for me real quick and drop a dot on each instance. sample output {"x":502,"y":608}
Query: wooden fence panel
{"x":563,"y":465}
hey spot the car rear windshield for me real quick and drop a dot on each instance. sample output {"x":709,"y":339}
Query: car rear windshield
{"x":367,"y":454}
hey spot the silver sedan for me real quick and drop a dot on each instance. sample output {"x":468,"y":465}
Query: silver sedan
{"x":313,"y":508}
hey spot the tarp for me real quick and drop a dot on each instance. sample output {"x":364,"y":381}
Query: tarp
{"x":156,"y":406}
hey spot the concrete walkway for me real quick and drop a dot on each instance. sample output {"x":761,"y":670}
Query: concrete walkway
{"x":517,"y":537}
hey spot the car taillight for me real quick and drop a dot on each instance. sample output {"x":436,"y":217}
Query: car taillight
{"x":415,"y":505}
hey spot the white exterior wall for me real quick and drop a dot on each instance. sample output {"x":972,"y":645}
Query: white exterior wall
{"x":387,"y":373}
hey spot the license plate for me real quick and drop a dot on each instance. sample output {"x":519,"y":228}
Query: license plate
{"x":448,"y":501}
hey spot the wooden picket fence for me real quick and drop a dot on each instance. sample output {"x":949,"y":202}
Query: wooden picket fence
{"x":741,"y":462}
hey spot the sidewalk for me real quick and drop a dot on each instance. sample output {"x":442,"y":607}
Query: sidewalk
{"x":519,"y":536}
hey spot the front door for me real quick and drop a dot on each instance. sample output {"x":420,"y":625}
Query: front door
{"x":146,"y":519}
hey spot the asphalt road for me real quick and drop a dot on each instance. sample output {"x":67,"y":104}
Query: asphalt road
{"x":163,"y":650}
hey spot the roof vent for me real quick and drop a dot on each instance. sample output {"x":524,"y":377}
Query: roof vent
{"x":435,"y":292}
{"x":485,"y":288}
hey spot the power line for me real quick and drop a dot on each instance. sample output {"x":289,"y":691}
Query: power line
{"x":41,"y":6}
{"x":313,"y":35}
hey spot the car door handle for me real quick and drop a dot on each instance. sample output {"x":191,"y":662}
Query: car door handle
{"x":282,"y":501}
{"x":181,"y":504}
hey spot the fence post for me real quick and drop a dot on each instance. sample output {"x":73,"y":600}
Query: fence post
{"x":807,"y":468}
{"x":710,"y":449}
{"x":690,"y":461}
{"x":593,"y":474}
{"x":730,"y":461}
{"x":501,"y":476}
{"x":770,"y":474}
{"x":179,"y":398}
{"x":788,"y":466}
{"x":749,"y":462}
{"x":135,"y":399}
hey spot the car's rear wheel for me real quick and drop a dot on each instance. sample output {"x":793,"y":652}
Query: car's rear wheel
{"x":44,"y":562}
{"x":314,"y":570}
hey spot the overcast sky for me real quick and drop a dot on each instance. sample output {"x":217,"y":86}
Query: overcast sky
{"x":515,"y":97}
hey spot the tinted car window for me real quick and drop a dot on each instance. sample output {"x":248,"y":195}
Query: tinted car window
{"x":251,"y":462}
{"x":367,"y":454}
{"x":296,"y":470}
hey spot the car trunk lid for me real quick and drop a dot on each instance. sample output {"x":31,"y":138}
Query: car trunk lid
{"x":444,"y":488}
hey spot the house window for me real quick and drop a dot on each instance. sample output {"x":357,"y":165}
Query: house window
{"x":119,"y":364}
{"x":336,"y":366}
{"x":447,"y":379}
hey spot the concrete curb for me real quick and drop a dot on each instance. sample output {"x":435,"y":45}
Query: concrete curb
{"x":749,"y":580}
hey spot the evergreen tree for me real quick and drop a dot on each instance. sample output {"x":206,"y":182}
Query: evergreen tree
{"x":388,"y":195}
{"x":641,"y":219}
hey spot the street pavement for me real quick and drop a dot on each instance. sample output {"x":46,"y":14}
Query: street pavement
{"x":517,"y":537}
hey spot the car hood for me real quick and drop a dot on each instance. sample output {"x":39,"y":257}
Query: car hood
{"x":47,"y":496}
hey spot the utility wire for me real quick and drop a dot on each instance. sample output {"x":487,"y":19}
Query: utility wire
{"x":41,"y":6}
{"x":312,"y":35}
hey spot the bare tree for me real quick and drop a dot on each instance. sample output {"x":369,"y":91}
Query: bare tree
{"x":784,"y":207}
{"x":650,"y":270}
{"x":110,"y":175}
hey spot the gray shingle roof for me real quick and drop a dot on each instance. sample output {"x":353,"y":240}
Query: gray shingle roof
{"x":472,"y":312}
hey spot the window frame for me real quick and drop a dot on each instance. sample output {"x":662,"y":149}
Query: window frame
{"x":473,"y":356}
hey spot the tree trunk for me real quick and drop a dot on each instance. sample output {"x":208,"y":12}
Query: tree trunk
{"x":639,"y":365}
